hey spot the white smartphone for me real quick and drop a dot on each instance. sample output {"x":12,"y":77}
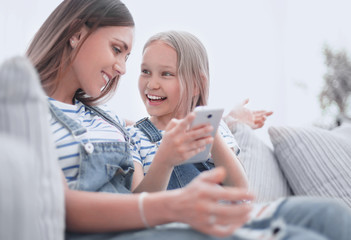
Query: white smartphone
{"x":205,"y":114}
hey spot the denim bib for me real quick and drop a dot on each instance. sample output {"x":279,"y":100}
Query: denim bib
{"x":104,"y":166}
{"x":182,"y":174}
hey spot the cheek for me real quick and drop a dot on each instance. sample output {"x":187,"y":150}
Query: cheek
{"x":141,"y":86}
{"x":176,"y":92}
{"x":81,"y":64}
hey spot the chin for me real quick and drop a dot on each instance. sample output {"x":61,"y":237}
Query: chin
{"x":153,"y":113}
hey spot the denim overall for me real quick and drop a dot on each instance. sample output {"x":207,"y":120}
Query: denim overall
{"x":182,"y":174}
{"x":104,"y":166}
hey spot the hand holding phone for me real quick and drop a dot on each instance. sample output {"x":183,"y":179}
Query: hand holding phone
{"x":205,"y":115}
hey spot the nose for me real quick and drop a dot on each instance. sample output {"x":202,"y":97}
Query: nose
{"x":152,"y":83}
{"x":120,"y":67}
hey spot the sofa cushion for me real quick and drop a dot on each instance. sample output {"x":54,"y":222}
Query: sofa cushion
{"x":316,"y":162}
{"x":19,"y":209}
{"x":24,"y":115}
{"x":265,"y":178}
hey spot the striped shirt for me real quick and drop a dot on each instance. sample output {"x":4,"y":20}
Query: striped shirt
{"x":144,"y":150}
{"x":98,"y":130}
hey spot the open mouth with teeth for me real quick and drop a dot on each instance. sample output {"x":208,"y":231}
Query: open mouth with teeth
{"x":153,"y":98}
{"x":106,"y":78}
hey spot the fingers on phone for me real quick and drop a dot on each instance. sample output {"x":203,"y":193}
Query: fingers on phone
{"x":201,"y":131}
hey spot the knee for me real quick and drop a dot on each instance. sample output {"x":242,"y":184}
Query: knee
{"x":325,"y":206}
{"x":336,"y":208}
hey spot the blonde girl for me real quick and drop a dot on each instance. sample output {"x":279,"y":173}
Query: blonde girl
{"x":174,"y":79}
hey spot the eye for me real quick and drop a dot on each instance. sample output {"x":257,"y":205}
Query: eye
{"x":167,"y":74}
{"x":144,"y":71}
{"x":117,"y":50}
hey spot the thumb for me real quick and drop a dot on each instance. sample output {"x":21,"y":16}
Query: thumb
{"x":215,"y":175}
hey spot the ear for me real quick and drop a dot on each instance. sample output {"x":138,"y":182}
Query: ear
{"x":73,"y":42}
{"x":77,"y":37}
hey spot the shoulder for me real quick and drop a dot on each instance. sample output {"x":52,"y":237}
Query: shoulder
{"x":135,"y":132}
{"x":223,"y":128}
{"x":143,"y":149}
{"x":112,"y":114}
{"x":139,"y":136}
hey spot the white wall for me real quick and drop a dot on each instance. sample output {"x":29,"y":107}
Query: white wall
{"x":269,"y":51}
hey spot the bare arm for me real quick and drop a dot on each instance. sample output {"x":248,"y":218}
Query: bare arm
{"x":156,"y":179}
{"x":101,"y":212}
{"x":194,"y":204}
{"x":224,"y":156}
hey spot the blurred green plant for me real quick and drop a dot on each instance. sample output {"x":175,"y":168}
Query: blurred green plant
{"x":337,"y":82}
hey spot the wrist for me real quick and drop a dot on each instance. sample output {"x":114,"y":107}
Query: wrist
{"x":158,"y":207}
{"x":162,"y":160}
{"x":141,"y":209}
{"x":231,"y":122}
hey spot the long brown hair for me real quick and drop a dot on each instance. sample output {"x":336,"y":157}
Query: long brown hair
{"x":50,"y":51}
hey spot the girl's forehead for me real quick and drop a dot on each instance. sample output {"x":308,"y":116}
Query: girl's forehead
{"x":160,"y":52}
{"x":161,"y":45}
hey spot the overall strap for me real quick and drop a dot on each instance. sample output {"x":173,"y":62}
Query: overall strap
{"x":149,"y":129}
{"x":75,"y":128}
{"x":110,"y":120}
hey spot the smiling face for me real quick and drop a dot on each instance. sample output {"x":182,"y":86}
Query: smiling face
{"x":101,"y":57}
{"x":159,"y":85}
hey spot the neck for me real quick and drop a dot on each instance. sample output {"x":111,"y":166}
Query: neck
{"x":64,"y":90}
{"x":161,"y":122}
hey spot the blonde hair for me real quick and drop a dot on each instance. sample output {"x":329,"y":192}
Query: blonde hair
{"x":192,"y":67}
{"x":50,"y":51}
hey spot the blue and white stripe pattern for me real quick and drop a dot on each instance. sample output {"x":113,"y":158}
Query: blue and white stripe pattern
{"x":144,"y":150}
{"x":98,"y":130}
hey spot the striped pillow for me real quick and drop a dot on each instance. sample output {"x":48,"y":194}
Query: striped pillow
{"x":266,"y":180}
{"x":316,"y":162}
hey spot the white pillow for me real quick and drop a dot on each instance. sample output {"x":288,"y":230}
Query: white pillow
{"x":265,"y":177}
{"x":316,"y":162}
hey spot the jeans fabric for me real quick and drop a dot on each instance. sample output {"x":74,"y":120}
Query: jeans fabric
{"x":104,"y":166}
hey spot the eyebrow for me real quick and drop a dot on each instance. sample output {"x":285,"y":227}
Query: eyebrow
{"x":125,"y":46}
